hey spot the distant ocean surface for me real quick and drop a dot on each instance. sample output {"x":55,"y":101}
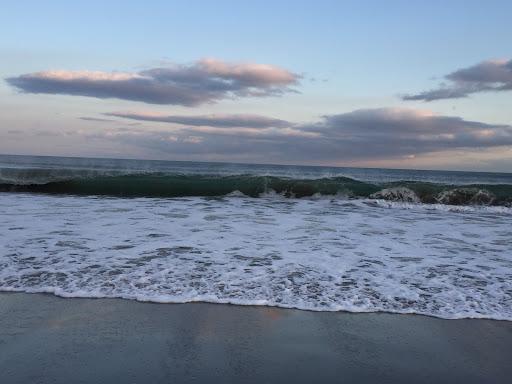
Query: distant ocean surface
{"x":317,"y":238}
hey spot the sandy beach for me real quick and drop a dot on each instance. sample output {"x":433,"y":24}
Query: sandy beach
{"x":46,"y":339}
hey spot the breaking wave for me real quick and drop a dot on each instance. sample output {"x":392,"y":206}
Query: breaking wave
{"x":162,"y":184}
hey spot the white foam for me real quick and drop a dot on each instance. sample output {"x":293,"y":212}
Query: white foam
{"x":397,"y":194}
{"x":441,"y":207}
{"x":315,"y":254}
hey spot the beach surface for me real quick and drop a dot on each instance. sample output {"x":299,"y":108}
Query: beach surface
{"x":46,"y":339}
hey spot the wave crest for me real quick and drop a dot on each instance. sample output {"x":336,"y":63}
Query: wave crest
{"x":161,"y":184}
{"x":401,"y":194}
{"x":464,"y":196}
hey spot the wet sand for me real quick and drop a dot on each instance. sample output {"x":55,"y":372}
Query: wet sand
{"x":46,"y":339}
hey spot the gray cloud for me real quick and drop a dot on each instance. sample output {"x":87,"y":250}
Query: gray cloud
{"x":372,"y":134}
{"x":15,"y":132}
{"x":214,"y":121}
{"x":486,"y":76}
{"x":96,"y":119}
{"x":395,"y":132}
{"x":207,"y":80}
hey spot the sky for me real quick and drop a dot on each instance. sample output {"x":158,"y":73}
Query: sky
{"x":395,"y":84}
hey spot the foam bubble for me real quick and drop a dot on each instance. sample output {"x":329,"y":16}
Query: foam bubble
{"x":397,"y":194}
{"x":314,"y":254}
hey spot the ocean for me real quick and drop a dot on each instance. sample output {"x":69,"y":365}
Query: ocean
{"x":436,"y":243}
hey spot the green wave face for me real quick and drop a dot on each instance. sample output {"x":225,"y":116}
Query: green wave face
{"x":164,"y":185}
{"x":176,"y":185}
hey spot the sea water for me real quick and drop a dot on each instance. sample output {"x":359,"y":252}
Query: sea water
{"x":324,"y":239}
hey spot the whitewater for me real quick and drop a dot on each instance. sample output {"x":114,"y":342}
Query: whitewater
{"x":315,"y":254}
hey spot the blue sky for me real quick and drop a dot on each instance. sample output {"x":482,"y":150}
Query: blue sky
{"x":346,"y":56}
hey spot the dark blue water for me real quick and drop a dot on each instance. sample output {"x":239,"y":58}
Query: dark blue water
{"x":293,"y":171}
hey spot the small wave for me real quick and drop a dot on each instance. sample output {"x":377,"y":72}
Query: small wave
{"x":42,"y":176}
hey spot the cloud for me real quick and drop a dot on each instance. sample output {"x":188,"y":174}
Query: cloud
{"x":214,"y":121}
{"x":205,"y":81}
{"x":487,"y":76}
{"x":361,"y":135}
{"x":400,"y":132}
{"x":96,"y":119}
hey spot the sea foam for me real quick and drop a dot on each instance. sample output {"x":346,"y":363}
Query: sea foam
{"x":315,"y":254}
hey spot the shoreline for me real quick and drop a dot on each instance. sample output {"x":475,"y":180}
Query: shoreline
{"x":250,"y":305}
{"x":45,"y":338}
